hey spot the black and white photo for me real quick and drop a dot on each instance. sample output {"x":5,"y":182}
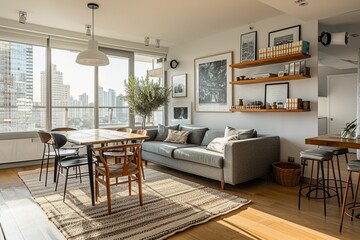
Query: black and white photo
{"x":181,"y":113}
{"x":248,"y":46}
{"x":179,"y":86}
{"x":212,"y":75}
{"x":284,"y":36}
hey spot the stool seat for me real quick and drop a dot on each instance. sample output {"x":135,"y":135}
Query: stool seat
{"x":316,"y":154}
{"x":354,"y":165}
{"x":335,"y":150}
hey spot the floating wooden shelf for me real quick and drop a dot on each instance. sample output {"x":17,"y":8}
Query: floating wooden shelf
{"x":272,"y":79}
{"x":269,"y":110}
{"x":268,"y":61}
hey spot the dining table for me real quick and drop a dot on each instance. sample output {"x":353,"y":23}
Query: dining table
{"x":91,"y":137}
{"x":334,"y":140}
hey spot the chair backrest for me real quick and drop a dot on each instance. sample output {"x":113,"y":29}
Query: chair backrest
{"x":64,"y":129}
{"x":59,"y":140}
{"x":140,"y":132}
{"x":44,"y":136}
{"x":125,"y":129}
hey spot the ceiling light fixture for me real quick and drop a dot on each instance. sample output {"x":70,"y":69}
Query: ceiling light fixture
{"x":92,"y":56}
{"x":22,"y":17}
{"x":301,"y":3}
{"x":157,"y":43}
{"x":146,"y":41}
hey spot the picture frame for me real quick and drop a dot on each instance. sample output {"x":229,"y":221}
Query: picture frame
{"x":276,"y":92}
{"x":179,"y":85}
{"x":248,"y":46}
{"x":213,"y":93}
{"x":285,"y":35}
{"x":181,"y":113}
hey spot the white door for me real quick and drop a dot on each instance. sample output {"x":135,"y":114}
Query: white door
{"x":342,"y":92}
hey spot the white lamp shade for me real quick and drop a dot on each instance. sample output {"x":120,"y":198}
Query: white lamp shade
{"x":92,"y":56}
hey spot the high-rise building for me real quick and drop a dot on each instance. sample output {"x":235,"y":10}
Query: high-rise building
{"x":16,"y":85}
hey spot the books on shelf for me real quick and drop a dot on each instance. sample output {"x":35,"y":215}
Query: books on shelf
{"x":264,"y":75}
{"x":285,"y":49}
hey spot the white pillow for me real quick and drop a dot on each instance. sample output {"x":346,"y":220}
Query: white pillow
{"x":241,"y":133}
{"x":218,"y":144}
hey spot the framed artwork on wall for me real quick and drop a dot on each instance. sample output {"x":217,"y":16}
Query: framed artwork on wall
{"x":181,"y":113}
{"x":285,"y":35}
{"x":179,"y":86}
{"x":213,"y":93}
{"x":248,"y":46}
{"x":276,"y":92}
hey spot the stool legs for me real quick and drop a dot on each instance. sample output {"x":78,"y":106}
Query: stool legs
{"x":344,"y":202}
{"x":301,"y":180}
{"x":323,"y":177}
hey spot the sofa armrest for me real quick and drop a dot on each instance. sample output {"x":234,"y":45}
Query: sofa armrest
{"x":251,"y":158}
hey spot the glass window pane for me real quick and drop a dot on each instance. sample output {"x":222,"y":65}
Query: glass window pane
{"x":72,"y":91}
{"x":21,"y":108}
{"x":113,"y":107}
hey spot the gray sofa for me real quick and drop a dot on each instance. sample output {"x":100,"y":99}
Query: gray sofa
{"x":242,"y":160}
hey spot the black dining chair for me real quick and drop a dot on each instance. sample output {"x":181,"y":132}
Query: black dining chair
{"x":65,"y":163}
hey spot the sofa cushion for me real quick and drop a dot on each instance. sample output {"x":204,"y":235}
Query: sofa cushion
{"x":162,"y":132}
{"x":176,"y":136}
{"x":242,"y":133}
{"x":196,"y":134}
{"x":210,"y":135}
{"x":200,"y":155}
{"x":218,"y":144}
{"x":162,"y":148}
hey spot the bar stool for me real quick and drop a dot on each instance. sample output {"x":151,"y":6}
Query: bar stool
{"x":353,"y":166}
{"x":319,"y":156}
{"x":337,"y":152}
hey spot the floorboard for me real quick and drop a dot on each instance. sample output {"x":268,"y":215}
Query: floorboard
{"x":273,"y":213}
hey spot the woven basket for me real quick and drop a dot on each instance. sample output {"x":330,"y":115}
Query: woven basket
{"x":287,"y":174}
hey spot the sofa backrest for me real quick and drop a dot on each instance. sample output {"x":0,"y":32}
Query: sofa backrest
{"x":210,"y":135}
{"x":196,"y":134}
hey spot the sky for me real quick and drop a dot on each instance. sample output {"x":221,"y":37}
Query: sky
{"x":80,"y":77}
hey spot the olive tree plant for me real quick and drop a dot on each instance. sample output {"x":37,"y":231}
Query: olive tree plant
{"x":145,"y":96}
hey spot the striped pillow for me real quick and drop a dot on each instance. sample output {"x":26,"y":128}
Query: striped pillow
{"x":176,"y":136}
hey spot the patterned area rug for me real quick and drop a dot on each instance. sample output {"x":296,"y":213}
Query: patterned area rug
{"x":170,"y":205}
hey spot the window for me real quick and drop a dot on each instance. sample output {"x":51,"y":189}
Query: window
{"x":21,"y":108}
{"x":113,"y":107}
{"x":149,"y":65}
{"x":72,"y":92}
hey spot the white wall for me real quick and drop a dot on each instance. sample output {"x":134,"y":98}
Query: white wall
{"x":293,"y":128}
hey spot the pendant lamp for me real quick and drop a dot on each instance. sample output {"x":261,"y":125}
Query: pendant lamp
{"x":92,"y":56}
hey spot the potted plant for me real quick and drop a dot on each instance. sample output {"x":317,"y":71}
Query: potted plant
{"x":350,"y":130}
{"x":145,"y":96}
{"x":274,"y":106}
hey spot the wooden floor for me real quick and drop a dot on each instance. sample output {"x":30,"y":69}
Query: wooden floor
{"x":273,"y":213}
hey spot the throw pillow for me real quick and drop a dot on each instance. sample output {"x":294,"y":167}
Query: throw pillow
{"x":196,"y":134}
{"x":176,"y":136}
{"x":162,"y":132}
{"x":241,"y":133}
{"x":218,"y":144}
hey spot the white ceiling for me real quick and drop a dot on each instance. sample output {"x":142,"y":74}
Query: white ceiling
{"x":171,"y":21}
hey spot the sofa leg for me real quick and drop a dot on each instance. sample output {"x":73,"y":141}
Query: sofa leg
{"x":222,"y":184}
{"x":145,"y":162}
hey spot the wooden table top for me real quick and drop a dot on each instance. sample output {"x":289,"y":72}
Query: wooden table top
{"x":334,"y":140}
{"x":98,"y":136}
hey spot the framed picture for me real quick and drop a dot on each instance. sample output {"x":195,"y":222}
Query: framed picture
{"x":248,"y":46}
{"x":181,"y":113}
{"x":179,"y":86}
{"x":213,"y":93}
{"x":285,"y":35}
{"x":276,"y":92}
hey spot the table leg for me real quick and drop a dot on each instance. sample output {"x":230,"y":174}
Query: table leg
{"x":55,"y":168}
{"x":91,"y":175}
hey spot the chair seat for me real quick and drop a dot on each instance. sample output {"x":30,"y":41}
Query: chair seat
{"x":354,"y":165}
{"x":316,"y":154}
{"x":117,"y":154}
{"x":115,"y":170}
{"x":73,"y":161}
{"x":335,"y":150}
{"x":63,"y":153}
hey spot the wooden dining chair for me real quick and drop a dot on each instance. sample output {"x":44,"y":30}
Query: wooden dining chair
{"x":128,"y":170}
